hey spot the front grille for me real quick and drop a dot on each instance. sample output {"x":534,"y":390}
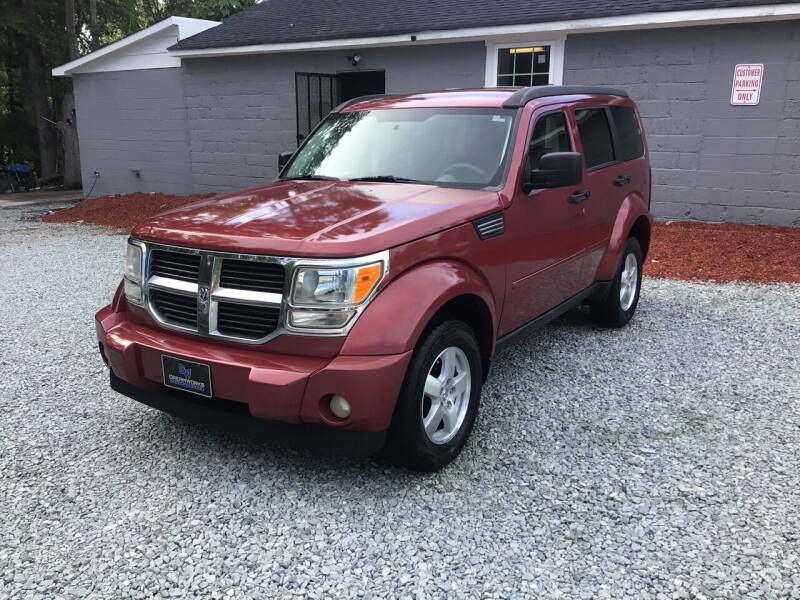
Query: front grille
{"x":216,"y":294}
{"x":175,"y":265}
{"x":252,"y":275}
{"x":175,"y":308}
{"x":246,"y":320}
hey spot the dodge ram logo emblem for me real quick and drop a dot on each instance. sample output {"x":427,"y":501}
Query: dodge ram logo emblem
{"x":203,"y":295}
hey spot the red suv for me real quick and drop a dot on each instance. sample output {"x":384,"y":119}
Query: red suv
{"x":356,"y":302}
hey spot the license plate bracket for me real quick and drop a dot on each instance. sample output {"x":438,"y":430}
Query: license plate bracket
{"x":186,"y":375}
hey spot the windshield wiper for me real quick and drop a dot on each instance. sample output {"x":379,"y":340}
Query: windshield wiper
{"x":389,"y":178}
{"x":311,"y":178}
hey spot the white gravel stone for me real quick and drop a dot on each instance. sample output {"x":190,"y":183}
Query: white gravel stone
{"x":658,"y":461}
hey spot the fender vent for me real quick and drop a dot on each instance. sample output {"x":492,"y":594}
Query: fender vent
{"x":490,"y":226}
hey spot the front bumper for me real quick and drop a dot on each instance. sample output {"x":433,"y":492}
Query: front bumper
{"x":263,"y":386}
{"x":234,"y":416}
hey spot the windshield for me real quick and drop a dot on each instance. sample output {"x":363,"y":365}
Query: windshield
{"x":455,"y":147}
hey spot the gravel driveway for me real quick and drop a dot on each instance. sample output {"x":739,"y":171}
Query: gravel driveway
{"x":661,"y":461}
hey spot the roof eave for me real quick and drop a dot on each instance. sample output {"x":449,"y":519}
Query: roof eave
{"x":185,"y":27}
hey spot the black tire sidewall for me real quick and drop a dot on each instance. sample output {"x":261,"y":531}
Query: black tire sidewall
{"x":408,"y":442}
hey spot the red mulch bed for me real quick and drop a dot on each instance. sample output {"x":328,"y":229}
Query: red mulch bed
{"x":121,"y":212}
{"x":678,"y":250}
{"x":724,"y":252}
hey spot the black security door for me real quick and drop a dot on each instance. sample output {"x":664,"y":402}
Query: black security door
{"x":316,"y":95}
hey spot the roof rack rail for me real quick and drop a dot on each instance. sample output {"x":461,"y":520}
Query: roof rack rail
{"x":347,"y":103}
{"x":521,"y":97}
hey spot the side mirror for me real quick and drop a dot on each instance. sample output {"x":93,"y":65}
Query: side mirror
{"x":556,"y":169}
{"x":284,"y":158}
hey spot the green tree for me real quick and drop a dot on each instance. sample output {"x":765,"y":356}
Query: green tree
{"x":37,"y":123}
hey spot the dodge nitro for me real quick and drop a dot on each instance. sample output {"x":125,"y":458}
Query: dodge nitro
{"x":356,"y":302}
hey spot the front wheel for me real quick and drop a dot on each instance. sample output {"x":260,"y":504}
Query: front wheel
{"x":439,"y":399}
{"x":623,"y":296}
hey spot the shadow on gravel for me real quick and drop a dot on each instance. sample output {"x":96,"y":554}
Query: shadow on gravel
{"x":196,"y":446}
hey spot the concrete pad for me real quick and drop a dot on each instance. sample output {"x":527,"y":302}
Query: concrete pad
{"x":51,"y":196}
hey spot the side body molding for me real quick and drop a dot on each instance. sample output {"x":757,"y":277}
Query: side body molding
{"x":397,"y":316}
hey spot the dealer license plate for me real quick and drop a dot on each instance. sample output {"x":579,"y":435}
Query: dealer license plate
{"x":186,"y":375}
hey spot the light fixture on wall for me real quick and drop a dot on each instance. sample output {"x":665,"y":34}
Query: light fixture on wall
{"x":525,"y":50}
{"x":354,"y":59}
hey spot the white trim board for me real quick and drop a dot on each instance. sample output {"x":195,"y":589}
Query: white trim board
{"x":145,"y":49}
{"x":682,"y":18}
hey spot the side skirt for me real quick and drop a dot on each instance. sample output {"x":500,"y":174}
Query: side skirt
{"x":597,"y":289}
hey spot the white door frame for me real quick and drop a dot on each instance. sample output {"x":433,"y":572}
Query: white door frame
{"x":556,"y":43}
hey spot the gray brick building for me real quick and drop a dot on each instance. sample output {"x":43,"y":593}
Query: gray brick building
{"x":196,"y":106}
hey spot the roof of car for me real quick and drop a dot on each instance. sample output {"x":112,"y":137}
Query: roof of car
{"x":287,"y":21}
{"x":499,"y":97}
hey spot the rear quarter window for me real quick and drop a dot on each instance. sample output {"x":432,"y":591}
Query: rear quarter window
{"x":629,"y":135}
{"x":595,"y":132}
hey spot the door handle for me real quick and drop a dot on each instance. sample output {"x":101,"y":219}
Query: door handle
{"x":579,"y":196}
{"x":622,"y":180}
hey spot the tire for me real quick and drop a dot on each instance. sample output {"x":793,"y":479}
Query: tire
{"x":617,"y":308}
{"x":449,"y":415}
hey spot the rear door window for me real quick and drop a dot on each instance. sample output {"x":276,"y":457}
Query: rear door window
{"x":549,"y":135}
{"x":629,"y":136}
{"x":595,"y":132}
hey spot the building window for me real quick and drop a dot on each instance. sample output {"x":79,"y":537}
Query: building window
{"x":523,"y":65}
{"x":519,"y":61}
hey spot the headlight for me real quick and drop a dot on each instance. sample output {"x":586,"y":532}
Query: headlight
{"x":314,"y":286}
{"x":133,"y":273}
{"x":328,"y":297}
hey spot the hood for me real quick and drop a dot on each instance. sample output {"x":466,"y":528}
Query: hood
{"x":317,"y":218}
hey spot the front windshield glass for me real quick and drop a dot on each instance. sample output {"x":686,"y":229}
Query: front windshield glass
{"x":454,"y":147}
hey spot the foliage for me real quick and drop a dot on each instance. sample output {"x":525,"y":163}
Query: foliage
{"x":123,"y":17}
{"x":34,"y":39}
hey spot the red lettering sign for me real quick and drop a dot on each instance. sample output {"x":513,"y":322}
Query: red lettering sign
{"x":746,"y":89}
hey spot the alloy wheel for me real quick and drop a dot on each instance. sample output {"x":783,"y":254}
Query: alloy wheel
{"x":446,"y":397}
{"x":628,"y":281}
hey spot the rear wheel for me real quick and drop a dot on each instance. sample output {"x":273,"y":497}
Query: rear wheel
{"x":617,"y":309}
{"x":439,"y":399}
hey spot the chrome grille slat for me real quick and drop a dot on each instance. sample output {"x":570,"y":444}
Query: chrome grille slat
{"x":233,"y":322}
{"x":252,"y":275}
{"x":167,"y":303}
{"x":175,"y":265}
{"x":179,"y":308}
{"x":247,"y":320}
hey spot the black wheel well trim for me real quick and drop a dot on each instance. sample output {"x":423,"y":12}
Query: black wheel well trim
{"x":473,"y":311}
{"x":641,"y":231}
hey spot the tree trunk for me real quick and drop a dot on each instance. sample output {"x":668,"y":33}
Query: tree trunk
{"x":69,"y":133}
{"x":94,"y":27}
{"x":39,"y":108}
{"x":68,"y":124}
{"x":45,"y":133}
{"x":69,"y":23}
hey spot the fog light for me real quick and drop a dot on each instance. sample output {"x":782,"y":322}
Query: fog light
{"x":340,"y":407}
